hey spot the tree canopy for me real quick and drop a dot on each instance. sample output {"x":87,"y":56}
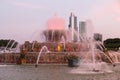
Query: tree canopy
{"x":112,"y":44}
{"x":9,"y":43}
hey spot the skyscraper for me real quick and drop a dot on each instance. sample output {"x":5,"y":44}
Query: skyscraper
{"x":82,"y":28}
{"x":73,"y":26}
{"x":97,"y":36}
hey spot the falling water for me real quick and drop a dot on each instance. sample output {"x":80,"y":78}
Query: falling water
{"x":43,"y":48}
{"x":93,"y":53}
{"x":7,"y":45}
{"x":33,"y":45}
{"x":12,"y":45}
{"x":88,"y":62}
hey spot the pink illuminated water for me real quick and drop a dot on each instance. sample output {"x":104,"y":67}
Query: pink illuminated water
{"x":56,"y":23}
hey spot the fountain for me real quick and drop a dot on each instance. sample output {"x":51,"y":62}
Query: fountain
{"x":93,"y":56}
{"x":94,"y":59}
{"x":90,"y":57}
{"x":91,"y":61}
{"x":55,"y":34}
{"x":41,"y":51}
{"x":11,"y":47}
{"x":95,"y":63}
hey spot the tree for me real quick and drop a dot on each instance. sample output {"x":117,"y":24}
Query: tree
{"x":112,"y":44}
{"x":4,"y":43}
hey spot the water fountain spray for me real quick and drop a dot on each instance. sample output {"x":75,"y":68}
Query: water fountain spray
{"x":7,"y":45}
{"x":43,"y":48}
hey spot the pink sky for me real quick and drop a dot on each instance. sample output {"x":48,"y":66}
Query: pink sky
{"x":105,"y":16}
{"x":19,"y":20}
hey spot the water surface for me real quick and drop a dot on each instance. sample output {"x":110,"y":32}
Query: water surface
{"x":51,"y":72}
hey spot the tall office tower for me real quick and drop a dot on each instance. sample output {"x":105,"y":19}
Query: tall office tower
{"x":97,"y":36}
{"x":82,"y":28}
{"x":73,"y":26}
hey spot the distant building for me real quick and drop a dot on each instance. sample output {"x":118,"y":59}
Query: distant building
{"x":98,"y":36}
{"x":82,"y":28}
{"x":73,"y":26}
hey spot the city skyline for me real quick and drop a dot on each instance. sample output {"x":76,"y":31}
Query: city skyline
{"x":19,"y":20}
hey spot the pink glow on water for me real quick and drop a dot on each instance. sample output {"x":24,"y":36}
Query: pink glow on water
{"x":56,"y":23}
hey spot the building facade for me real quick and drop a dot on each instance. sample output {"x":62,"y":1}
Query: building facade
{"x":97,"y":36}
{"x":82,"y":28}
{"x":73,"y":26}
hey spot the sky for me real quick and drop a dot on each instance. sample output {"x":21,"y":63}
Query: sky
{"x":20,"y":19}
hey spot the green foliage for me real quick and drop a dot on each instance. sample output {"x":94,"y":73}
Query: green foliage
{"x":112,"y":44}
{"x":3,"y":43}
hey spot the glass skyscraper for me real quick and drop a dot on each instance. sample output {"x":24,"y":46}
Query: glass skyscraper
{"x":73,"y":26}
